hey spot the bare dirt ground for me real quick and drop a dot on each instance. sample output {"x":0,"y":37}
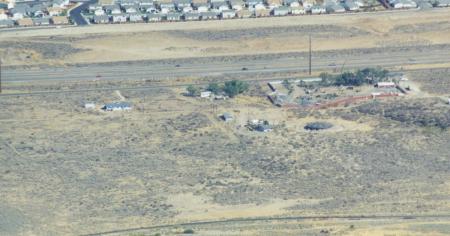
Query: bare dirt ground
{"x":104,"y":43}
{"x":65,"y":170}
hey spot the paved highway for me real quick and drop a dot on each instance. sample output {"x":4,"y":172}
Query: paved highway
{"x":161,"y":70}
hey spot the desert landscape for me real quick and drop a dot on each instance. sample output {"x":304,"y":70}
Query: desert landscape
{"x":172,"y":166}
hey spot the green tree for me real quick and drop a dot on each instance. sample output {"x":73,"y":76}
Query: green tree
{"x":235,"y":87}
{"x":214,"y":88}
{"x":192,"y":90}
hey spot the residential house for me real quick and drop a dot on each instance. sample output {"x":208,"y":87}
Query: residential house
{"x":93,"y":7}
{"x":25,"y":22}
{"x":423,"y":5}
{"x":308,"y":4}
{"x":318,"y":9}
{"x":209,"y":15}
{"x":398,"y":4}
{"x":6,"y":23}
{"x":60,"y":3}
{"x":151,"y":9}
{"x":187,"y":9}
{"x":190,"y":16}
{"x":443,"y":3}
{"x":109,"y":9}
{"x":41,"y":21}
{"x":101,"y":19}
{"x":244,"y":13}
{"x":55,"y":11}
{"x":273,"y":3}
{"x":281,"y":11}
{"x":154,"y":17}
{"x":60,"y":20}
{"x":205,"y":94}
{"x":351,"y":6}
{"x":298,"y":10}
{"x":117,"y":106}
{"x":385,"y":85}
{"x":146,"y":3}
{"x":335,"y":8}
{"x":253,"y":3}
{"x":174,"y":16}
{"x":119,"y":18}
{"x":220,"y":6}
{"x":180,"y":4}
{"x":228,"y":14}
{"x":99,"y":12}
{"x":136,"y":17}
{"x":237,"y":4}
{"x":125,"y":3}
{"x":20,"y":11}
{"x":201,"y":7}
{"x":131,"y":10}
{"x":3,"y":15}
{"x":291,"y":3}
{"x":166,"y":7}
{"x":37,"y":10}
{"x":260,"y":12}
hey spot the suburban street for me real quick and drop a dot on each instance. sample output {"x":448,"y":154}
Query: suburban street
{"x":177,"y":68}
{"x":75,"y":14}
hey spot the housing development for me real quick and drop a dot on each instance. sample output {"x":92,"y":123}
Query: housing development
{"x":57,"y":12}
{"x":225,"y":117}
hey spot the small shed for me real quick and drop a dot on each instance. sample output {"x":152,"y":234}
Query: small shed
{"x":244,"y":14}
{"x":227,"y":117}
{"x":25,"y":22}
{"x":89,"y":105}
{"x":117,"y":106}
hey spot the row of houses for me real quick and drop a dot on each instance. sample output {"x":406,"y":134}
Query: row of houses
{"x":227,"y":7}
{"x":24,"y":22}
{"x":27,"y":13}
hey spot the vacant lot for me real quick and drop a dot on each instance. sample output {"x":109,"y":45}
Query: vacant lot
{"x":67,"y":170}
{"x":132,"y":42}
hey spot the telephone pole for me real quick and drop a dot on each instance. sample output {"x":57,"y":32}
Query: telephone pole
{"x":0,"y":75}
{"x":310,"y":55}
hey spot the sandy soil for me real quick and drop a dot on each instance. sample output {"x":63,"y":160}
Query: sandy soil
{"x":103,"y":43}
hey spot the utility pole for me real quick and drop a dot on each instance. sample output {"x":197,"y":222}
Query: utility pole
{"x":0,"y":75}
{"x":310,"y":55}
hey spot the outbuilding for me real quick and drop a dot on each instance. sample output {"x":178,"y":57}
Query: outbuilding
{"x":227,"y":117}
{"x":117,"y":106}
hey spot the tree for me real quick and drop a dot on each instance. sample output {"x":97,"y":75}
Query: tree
{"x":214,"y":88}
{"x":235,"y":87}
{"x":288,"y":85}
{"x":192,"y":90}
